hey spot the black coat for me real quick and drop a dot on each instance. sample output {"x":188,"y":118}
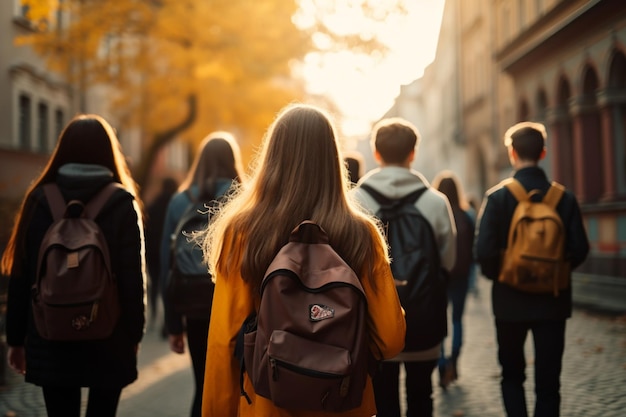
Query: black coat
{"x":111,"y":362}
{"x":491,"y":241}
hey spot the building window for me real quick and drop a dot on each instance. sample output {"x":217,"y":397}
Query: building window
{"x":59,"y":122}
{"x":24,"y":121}
{"x":43,"y":127}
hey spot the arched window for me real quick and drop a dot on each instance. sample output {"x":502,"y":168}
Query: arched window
{"x":591,"y":137}
{"x":617,"y":89}
{"x":523,"y":113}
{"x":563,"y":148}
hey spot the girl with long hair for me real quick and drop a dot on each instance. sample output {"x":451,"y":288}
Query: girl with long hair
{"x":449,"y":184}
{"x":216,"y":169}
{"x":299,"y":175}
{"x":86,"y":158}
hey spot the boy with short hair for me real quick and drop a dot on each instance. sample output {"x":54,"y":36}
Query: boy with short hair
{"x":517,"y":312}
{"x":394,"y":143}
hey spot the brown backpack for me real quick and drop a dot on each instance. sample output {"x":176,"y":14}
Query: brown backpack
{"x":534,"y":258}
{"x":309,"y":349}
{"x":75,"y":295}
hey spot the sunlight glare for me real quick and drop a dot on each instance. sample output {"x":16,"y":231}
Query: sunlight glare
{"x":365,"y":87}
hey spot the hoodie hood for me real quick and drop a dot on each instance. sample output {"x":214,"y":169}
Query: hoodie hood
{"x":394,"y":182}
{"x":81,"y":181}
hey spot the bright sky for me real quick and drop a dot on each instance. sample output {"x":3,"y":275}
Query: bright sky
{"x":364,"y":89}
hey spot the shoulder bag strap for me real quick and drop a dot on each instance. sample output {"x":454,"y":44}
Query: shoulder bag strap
{"x":93,"y":207}
{"x":516,"y":188}
{"x":554,"y":194}
{"x":55,"y":200}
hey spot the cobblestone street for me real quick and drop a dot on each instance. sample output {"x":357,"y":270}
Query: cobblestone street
{"x":593,"y":378}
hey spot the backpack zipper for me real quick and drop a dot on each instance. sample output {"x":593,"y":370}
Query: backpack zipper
{"x":276,"y":363}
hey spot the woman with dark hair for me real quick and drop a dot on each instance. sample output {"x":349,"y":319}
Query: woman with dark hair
{"x":448,"y":183}
{"x":87,"y":158}
{"x":216,"y":169}
{"x":300,"y":175}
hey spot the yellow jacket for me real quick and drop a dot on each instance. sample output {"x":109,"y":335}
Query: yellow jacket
{"x":233,"y":301}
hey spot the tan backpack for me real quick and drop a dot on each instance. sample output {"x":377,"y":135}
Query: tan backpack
{"x":75,"y":295}
{"x":534,"y":258}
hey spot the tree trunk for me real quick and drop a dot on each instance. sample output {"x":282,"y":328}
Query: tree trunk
{"x":160,"y":140}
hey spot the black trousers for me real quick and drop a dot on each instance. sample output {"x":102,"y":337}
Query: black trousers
{"x":418,"y":384}
{"x":549,"y":343}
{"x":197,"y":333}
{"x":65,"y":401}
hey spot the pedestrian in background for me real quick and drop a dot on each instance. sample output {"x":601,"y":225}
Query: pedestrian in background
{"x":300,"y":176}
{"x":356,"y":165}
{"x":155,"y":217}
{"x":216,"y":168}
{"x":517,"y":312}
{"x":394,"y":143}
{"x":86,"y":158}
{"x":448,"y":183}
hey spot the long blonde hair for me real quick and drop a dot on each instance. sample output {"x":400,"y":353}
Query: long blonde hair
{"x":86,"y":139}
{"x":299,"y":174}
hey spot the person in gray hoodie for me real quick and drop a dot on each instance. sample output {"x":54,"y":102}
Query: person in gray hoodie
{"x":394,"y":143}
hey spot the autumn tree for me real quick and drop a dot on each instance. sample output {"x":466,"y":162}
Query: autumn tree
{"x":181,"y":68}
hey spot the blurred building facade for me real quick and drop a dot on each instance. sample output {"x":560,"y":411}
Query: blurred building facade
{"x":559,"y":62}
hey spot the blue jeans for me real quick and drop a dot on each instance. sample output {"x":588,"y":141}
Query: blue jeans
{"x":549,"y":340}
{"x":457,"y":293}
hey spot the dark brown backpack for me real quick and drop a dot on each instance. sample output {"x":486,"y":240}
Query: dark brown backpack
{"x":309,"y":349}
{"x":75,"y":294}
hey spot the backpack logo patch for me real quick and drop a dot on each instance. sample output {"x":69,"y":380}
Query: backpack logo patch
{"x":319,"y":312}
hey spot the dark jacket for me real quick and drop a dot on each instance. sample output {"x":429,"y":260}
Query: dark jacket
{"x":491,"y":241}
{"x":111,"y":362}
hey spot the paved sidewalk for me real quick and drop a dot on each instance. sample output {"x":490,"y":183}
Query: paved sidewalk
{"x":593,"y":378}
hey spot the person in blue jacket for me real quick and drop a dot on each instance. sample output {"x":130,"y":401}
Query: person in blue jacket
{"x":216,"y":169}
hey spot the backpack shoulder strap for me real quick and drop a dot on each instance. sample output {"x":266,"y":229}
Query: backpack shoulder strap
{"x":516,"y":188}
{"x":414,"y":196}
{"x":380,"y":199}
{"x":93,"y":206}
{"x":383,"y":200}
{"x":55,"y":200}
{"x":554,"y":194}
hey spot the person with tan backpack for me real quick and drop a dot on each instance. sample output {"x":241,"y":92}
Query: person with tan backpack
{"x":530,"y":235}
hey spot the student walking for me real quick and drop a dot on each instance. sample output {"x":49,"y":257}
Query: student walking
{"x":516,"y":311}
{"x":448,"y":183}
{"x":300,"y":175}
{"x":215,"y":170}
{"x":394,"y":143}
{"x":86,"y":159}
{"x":155,"y":217}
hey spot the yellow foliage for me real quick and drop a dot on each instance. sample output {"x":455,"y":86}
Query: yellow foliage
{"x":234,"y":56}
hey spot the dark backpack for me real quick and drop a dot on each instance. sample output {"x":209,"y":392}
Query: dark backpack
{"x":75,"y":295}
{"x":190,"y":286}
{"x":416,"y":268}
{"x":534,"y":260}
{"x":307,"y":346}
{"x":464,"y":245}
